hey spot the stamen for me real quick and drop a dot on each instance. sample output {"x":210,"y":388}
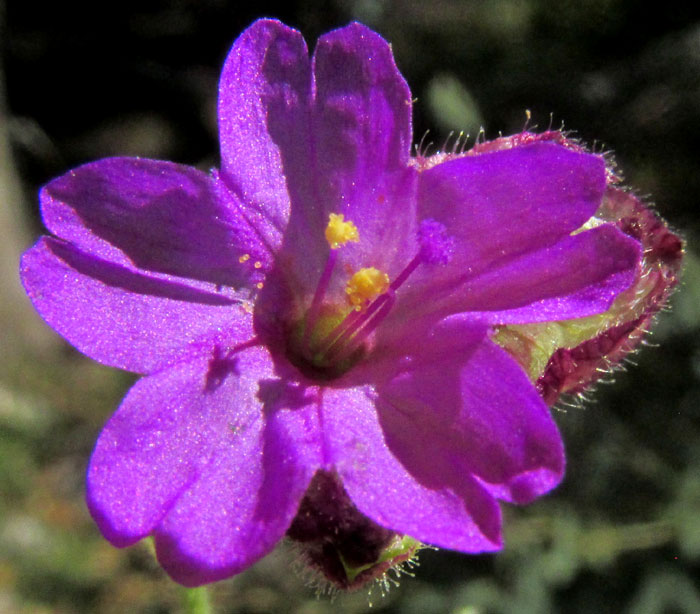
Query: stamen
{"x":369,"y":291}
{"x":351,"y":339}
{"x":353,"y":322}
{"x":340,"y":232}
{"x":315,"y":309}
{"x":364,"y":285}
{"x":339,"y":332}
{"x":435,"y":247}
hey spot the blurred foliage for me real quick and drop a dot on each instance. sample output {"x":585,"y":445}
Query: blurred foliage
{"x":622,"y":534}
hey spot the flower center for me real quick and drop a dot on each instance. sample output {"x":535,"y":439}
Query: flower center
{"x":332,"y":337}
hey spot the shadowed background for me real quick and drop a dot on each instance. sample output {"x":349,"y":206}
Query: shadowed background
{"x":80,"y":81}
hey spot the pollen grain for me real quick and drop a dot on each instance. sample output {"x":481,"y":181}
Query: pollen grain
{"x":339,"y":232}
{"x":364,"y":285}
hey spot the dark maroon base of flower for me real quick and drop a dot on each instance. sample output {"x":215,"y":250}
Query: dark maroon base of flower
{"x":334,"y":535}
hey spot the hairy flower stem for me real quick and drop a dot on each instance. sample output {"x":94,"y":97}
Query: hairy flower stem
{"x":196,"y":600}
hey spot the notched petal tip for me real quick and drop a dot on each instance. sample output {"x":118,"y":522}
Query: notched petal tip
{"x":358,"y":86}
{"x":362,"y":59}
{"x":261,"y":34}
{"x":359,"y":36}
{"x":263,"y":106}
{"x":118,"y":536}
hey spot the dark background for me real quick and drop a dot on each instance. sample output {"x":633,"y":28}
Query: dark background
{"x":87,"y":80}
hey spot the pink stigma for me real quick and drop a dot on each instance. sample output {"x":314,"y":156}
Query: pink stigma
{"x":436,"y":246}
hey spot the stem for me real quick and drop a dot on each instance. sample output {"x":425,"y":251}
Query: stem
{"x":196,"y":600}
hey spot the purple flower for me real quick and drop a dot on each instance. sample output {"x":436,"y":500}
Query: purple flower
{"x":322,"y":303}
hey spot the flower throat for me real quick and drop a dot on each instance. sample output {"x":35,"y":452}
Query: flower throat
{"x":331,"y":338}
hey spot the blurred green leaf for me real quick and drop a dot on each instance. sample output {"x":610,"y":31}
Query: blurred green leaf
{"x":452,"y":106}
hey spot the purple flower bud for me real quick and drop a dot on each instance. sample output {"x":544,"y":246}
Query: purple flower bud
{"x":567,"y":357}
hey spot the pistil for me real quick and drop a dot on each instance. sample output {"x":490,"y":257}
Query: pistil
{"x":338,"y":233}
{"x":355,"y":334}
{"x":315,"y":309}
{"x":363,"y":286}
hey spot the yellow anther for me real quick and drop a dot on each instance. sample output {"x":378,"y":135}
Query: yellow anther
{"x":365,"y":285}
{"x":339,"y":232}
{"x":257,"y":264}
{"x":244,"y":258}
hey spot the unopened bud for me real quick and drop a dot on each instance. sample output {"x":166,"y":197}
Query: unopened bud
{"x":346,"y":548}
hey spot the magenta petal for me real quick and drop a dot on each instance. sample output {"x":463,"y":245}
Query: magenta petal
{"x":244,"y":500}
{"x":505,"y":203}
{"x":210,"y":456}
{"x":464,"y":405}
{"x":363,"y":131}
{"x":156,"y":215}
{"x":122,"y":317}
{"x":144,"y":458}
{"x":579,"y":276}
{"x":264,"y":122}
{"x":510,"y":216}
{"x":363,"y":105}
{"x":460,"y":515}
